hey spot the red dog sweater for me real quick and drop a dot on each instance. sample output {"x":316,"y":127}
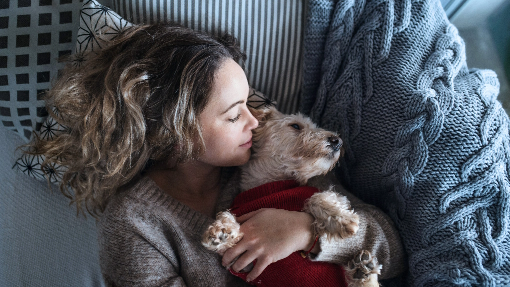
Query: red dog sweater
{"x":293,"y":270}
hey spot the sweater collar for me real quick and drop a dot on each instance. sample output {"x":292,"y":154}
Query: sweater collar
{"x":191,"y":219}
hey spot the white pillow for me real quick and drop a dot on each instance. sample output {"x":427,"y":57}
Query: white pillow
{"x":98,"y":25}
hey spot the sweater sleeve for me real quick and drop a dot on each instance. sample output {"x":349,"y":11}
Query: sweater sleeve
{"x":129,"y":259}
{"x":376,"y":233}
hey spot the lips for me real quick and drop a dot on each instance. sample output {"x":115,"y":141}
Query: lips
{"x":246,"y":144}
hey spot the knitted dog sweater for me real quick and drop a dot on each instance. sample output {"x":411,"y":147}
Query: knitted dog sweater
{"x":294,"y":270}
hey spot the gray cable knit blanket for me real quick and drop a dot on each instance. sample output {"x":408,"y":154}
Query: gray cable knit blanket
{"x":426,"y":140}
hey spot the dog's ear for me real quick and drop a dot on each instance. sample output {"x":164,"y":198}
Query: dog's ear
{"x":264,"y":114}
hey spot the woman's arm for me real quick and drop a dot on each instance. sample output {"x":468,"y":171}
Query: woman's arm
{"x":129,"y":259}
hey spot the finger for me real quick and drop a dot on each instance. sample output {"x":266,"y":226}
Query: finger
{"x":259,"y":267}
{"x":232,"y":253}
{"x":243,"y":218}
{"x":244,"y":260}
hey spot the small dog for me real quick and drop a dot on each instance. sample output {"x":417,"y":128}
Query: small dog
{"x":291,"y":147}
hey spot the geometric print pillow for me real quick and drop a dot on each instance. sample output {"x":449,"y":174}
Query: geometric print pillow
{"x":31,"y":164}
{"x":98,"y":25}
{"x":33,"y":35}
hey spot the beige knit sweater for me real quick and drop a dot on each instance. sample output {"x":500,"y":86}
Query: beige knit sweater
{"x":147,"y":238}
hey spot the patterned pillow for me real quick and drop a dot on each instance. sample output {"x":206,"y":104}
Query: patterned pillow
{"x":33,"y":34}
{"x":98,"y":25}
{"x":270,"y":32}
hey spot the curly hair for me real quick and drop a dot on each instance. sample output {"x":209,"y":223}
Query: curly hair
{"x":134,"y":102}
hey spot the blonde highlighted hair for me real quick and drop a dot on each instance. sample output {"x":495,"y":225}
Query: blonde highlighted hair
{"x":136,"y":101}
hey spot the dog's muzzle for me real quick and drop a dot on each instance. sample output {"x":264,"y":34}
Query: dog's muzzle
{"x":335,"y":143}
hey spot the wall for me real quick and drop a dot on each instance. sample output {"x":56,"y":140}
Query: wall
{"x":485,"y":28}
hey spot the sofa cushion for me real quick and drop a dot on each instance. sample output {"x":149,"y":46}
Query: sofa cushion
{"x":42,"y":240}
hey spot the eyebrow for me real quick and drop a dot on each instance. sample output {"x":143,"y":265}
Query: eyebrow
{"x":233,"y":105}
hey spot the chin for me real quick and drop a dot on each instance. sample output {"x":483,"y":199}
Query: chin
{"x":242,"y":159}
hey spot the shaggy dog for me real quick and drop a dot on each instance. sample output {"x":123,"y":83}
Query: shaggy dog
{"x":288,"y":150}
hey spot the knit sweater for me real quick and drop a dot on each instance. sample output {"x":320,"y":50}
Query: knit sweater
{"x":148,"y":238}
{"x":288,"y":195}
{"x":425,"y":138}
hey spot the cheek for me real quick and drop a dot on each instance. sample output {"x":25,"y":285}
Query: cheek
{"x":220,"y":141}
{"x":218,"y":137}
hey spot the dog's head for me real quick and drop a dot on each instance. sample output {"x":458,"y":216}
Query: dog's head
{"x":294,"y":145}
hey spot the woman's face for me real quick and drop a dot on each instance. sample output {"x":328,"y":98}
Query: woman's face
{"x":226,"y":121}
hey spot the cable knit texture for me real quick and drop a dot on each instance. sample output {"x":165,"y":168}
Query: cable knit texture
{"x":425,"y":138}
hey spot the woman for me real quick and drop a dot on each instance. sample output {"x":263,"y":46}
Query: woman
{"x":156,"y":121}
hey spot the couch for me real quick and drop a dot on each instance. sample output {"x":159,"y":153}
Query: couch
{"x":398,"y":97}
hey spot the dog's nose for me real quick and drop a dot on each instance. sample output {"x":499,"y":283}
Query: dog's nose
{"x":335,"y":142}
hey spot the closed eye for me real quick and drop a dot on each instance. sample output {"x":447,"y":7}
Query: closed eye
{"x":296,"y":126}
{"x":233,"y":120}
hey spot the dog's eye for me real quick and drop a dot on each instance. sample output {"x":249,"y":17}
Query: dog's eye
{"x":296,"y":126}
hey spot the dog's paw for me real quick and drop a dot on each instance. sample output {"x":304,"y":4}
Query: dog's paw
{"x":333,"y":214}
{"x":362,"y":270}
{"x":222,"y":234}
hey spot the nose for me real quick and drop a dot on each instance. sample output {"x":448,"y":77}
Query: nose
{"x":252,"y":122}
{"x":335,"y":142}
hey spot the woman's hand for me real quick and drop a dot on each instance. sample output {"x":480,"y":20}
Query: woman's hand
{"x":269,"y":235}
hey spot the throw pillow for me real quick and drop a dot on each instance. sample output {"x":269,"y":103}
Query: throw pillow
{"x":98,"y":25}
{"x":33,"y":35}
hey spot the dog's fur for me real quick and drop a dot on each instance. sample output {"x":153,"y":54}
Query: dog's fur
{"x":292,"y":147}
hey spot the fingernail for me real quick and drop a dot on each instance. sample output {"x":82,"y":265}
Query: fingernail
{"x":248,"y":279}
